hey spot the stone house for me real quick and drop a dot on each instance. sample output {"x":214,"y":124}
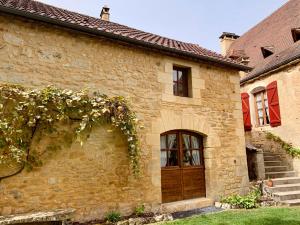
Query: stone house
{"x":188,"y":98}
{"x":270,"y":92}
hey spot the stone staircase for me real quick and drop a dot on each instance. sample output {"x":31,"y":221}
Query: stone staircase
{"x":286,"y":186}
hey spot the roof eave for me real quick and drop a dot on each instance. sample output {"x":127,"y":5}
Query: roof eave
{"x":277,"y":67}
{"x":120,"y":38}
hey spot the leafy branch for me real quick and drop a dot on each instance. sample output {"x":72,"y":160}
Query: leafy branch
{"x":23,"y":110}
{"x":288,"y":147}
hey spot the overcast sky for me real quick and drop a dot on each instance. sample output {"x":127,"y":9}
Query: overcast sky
{"x":196,"y":21}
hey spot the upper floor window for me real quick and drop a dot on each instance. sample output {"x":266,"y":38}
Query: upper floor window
{"x":296,"y":34}
{"x":181,"y":81}
{"x":262,"y":108}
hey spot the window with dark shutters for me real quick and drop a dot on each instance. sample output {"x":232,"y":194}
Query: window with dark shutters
{"x":246,"y":111}
{"x":274,"y":108}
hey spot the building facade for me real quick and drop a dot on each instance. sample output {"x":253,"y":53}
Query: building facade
{"x":270,"y":91}
{"x":188,"y":99}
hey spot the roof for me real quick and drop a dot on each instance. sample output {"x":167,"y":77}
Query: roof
{"x":274,"y":61}
{"x":47,"y":13}
{"x":275,"y":31}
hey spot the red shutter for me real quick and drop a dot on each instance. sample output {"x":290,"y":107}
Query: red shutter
{"x":272,"y":92}
{"x":246,"y":111}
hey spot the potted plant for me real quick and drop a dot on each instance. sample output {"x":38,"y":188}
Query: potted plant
{"x":270,"y":182}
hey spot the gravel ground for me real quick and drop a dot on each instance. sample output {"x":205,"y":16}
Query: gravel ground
{"x":181,"y":215}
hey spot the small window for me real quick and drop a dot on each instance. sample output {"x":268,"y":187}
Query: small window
{"x":267,"y":51}
{"x":296,"y":34}
{"x":181,"y":81}
{"x":262,"y":108}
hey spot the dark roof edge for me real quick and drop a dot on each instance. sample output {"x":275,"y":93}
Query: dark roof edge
{"x":287,"y":62}
{"x":119,"y":38}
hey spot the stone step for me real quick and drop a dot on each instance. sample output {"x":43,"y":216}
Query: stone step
{"x":276,"y":168}
{"x":273,"y":163}
{"x":288,"y":195}
{"x":271,"y":158}
{"x":284,"y":188}
{"x":186,"y":205}
{"x":294,"y":202}
{"x":286,"y":180}
{"x":271,"y":154}
{"x":281,"y":174}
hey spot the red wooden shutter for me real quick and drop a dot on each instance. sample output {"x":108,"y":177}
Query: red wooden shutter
{"x":246,"y":111}
{"x":273,"y":100}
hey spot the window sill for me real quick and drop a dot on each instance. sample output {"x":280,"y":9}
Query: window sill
{"x":181,"y":100}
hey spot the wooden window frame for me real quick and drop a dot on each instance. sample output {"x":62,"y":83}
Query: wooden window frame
{"x":184,"y":83}
{"x":180,"y":149}
{"x":264,"y":98}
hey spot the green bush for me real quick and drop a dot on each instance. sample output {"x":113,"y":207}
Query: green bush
{"x":246,"y":202}
{"x":113,"y":216}
{"x":140,"y":210}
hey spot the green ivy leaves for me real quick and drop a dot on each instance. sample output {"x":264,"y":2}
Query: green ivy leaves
{"x":288,"y":147}
{"x":22,"y":111}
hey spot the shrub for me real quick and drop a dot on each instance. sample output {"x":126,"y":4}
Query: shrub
{"x":113,"y":216}
{"x":140,"y":210}
{"x":247,"y":202}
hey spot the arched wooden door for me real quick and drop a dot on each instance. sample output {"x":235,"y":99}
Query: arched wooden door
{"x":182,"y":166}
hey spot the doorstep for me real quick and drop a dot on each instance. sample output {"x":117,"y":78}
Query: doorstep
{"x":186,"y":205}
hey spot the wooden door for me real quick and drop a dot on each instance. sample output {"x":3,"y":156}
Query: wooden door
{"x":182,"y":166}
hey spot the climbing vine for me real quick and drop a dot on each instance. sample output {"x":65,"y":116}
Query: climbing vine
{"x":288,"y":147}
{"x":23,"y":111}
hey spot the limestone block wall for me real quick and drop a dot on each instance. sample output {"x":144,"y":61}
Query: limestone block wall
{"x":259,"y":140}
{"x":96,"y":179}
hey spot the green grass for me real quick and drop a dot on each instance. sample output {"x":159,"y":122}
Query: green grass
{"x":262,"y":216}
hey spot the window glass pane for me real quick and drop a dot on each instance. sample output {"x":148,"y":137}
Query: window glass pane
{"x":163,"y":142}
{"x":186,"y":141}
{"x":258,"y":97}
{"x":261,"y":121}
{"x":163,"y":158}
{"x":175,"y":92}
{"x":196,"y":158}
{"x":260,"y":113}
{"x":187,"y":158}
{"x":267,"y":115}
{"x":259,"y":105}
{"x":195,"y":142}
{"x":266,"y":103}
{"x":174,"y":75}
{"x":172,"y":141}
{"x":173,"y":158}
{"x":180,"y":89}
{"x":180,"y":75}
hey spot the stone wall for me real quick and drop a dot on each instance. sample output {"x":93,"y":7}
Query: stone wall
{"x":259,"y":140}
{"x":96,"y":179}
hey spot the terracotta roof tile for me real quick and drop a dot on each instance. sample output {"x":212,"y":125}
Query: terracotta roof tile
{"x":275,"y":31}
{"x":275,"y":61}
{"x":30,"y":7}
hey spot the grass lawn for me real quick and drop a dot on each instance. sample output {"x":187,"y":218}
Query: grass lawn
{"x":262,"y":216}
